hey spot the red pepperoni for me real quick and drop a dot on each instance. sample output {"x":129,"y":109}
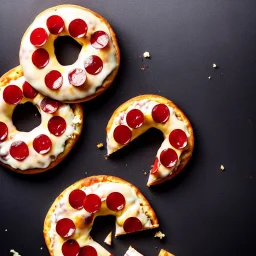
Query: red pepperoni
{"x":99,"y":39}
{"x":77,"y":28}
{"x":28,"y":91}
{"x":160,"y":113}
{"x":53,"y":80}
{"x":70,"y":248}
{"x":55,"y":24}
{"x":88,"y":251}
{"x":132,"y":224}
{"x":135,"y":118}
{"x":19,"y":150}
{"x":12,"y":94}
{"x":115,"y":201}
{"x":178,"y":139}
{"x":76,"y":199}
{"x":122,"y":134}
{"x":40,"y":58}
{"x":77,"y":77}
{"x":3,"y":131}
{"x":57,"y":125}
{"x":49,"y":106}
{"x":65,"y":227}
{"x":168,"y":158}
{"x":93,"y":65}
{"x":92,"y":203}
{"x":42,"y":144}
{"x":155,"y":166}
{"x":38,"y":37}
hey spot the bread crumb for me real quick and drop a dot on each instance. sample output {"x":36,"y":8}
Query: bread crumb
{"x":222,"y":167}
{"x":100,"y":145}
{"x":159,"y":234}
{"x":14,"y":253}
{"x":214,"y":65}
{"x":209,"y":77}
{"x":108,"y":239}
{"x":146,"y":55}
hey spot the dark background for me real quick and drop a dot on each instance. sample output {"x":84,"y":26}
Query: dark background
{"x":203,"y":211}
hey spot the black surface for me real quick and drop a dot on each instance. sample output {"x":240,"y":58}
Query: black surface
{"x":203,"y":211}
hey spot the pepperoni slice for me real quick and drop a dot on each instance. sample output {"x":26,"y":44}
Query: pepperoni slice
{"x":135,"y":118}
{"x":70,"y":248}
{"x":160,"y":113}
{"x":57,"y":125}
{"x":92,"y":203}
{"x":53,"y":80}
{"x":115,"y":201}
{"x":42,"y":144}
{"x":168,"y":158}
{"x":88,"y":251}
{"x":77,"y":28}
{"x":132,"y":224}
{"x":93,"y":65}
{"x":76,"y":199}
{"x":12,"y":94}
{"x":155,"y":166}
{"x":178,"y":139}
{"x":3,"y":131}
{"x":122,"y":134}
{"x":55,"y":24}
{"x":19,"y":150}
{"x":38,"y":37}
{"x":99,"y":39}
{"x":40,"y":58}
{"x":28,"y":91}
{"x":65,"y":227}
{"x":77,"y":77}
{"x":49,"y":106}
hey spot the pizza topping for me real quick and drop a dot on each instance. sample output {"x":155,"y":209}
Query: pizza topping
{"x":115,"y":201}
{"x":70,"y":248}
{"x":122,"y":134}
{"x":3,"y":131}
{"x":38,"y":37}
{"x":55,"y":24}
{"x":19,"y":150}
{"x":155,"y":166}
{"x":160,"y":113}
{"x":99,"y":39}
{"x":53,"y":80}
{"x":92,"y":203}
{"x":40,"y":58}
{"x":65,"y":227}
{"x":135,"y":118}
{"x":132,"y":224}
{"x":28,"y":91}
{"x":93,"y":65}
{"x":57,"y":125}
{"x":49,"y":106}
{"x":42,"y":144}
{"x":88,"y":251}
{"x":88,"y":219}
{"x":77,"y":77}
{"x":77,"y":28}
{"x":178,"y":139}
{"x":76,"y":198}
{"x":12,"y":94}
{"x":168,"y":158}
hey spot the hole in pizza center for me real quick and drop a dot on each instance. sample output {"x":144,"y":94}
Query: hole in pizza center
{"x":66,"y":50}
{"x":26,"y":117}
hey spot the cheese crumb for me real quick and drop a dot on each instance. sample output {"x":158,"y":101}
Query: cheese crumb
{"x":159,"y":234}
{"x":222,"y":167}
{"x":145,"y":173}
{"x":214,"y":65}
{"x":100,"y":145}
{"x":108,"y":239}
{"x":14,"y":253}
{"x":146,"y":55}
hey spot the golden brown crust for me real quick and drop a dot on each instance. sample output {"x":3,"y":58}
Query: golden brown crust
{"x":110,"y":78}
{"x":88,"y":182}
{"x":186,"y":154}
{"x":16,"y":73}
{"x":165,"y":253}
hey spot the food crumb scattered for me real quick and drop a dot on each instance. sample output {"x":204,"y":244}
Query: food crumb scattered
{"x":108,"y":239}
{"x":6,"y":230}
{"x":100,"y":145}
{"x":145,"y":173}
{"x":146,"y":55}
{"x":209,"y":77}
{"x":14,"y":253}
{"x":144,"y":67}
{"x":159,"y":234}
{"x":41,"y":248}
{"x":214,"y":65}
{"x":85,"y":173}
{"x":222,"y":167}
{"x":106,"y":158}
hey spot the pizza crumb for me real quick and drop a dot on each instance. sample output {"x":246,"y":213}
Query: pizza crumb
{"x":5,"y":230}
{"x":108,"y":239}
{"x":14,"y":253}
{"x":100,"y":145}
{"x":106,"y":158}
{"x":142,"y":68}
{"x":164,"y":253}
{"x":214,"y":65}
{"x":209,"y":77}
{"x":146,"y":55}
{"x":145,"y":173}
{"x":41,"y":248}
{"x":159,"y":234}
{"x":222,"y":167}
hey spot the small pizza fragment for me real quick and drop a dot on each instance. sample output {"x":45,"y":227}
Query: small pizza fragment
{"x":165,"y":253}
{"x":132,"y":252}
{"x":159,"y":234}
{"x":108,"y":239}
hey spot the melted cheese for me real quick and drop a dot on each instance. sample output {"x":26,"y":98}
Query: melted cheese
{"x":66,"y":92}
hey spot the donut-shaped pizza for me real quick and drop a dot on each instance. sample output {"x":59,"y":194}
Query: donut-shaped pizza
{"x":46,"y":145}
{"x":97,"y":63}
{"x":70,"y":219}
{"x":141,"y":113}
